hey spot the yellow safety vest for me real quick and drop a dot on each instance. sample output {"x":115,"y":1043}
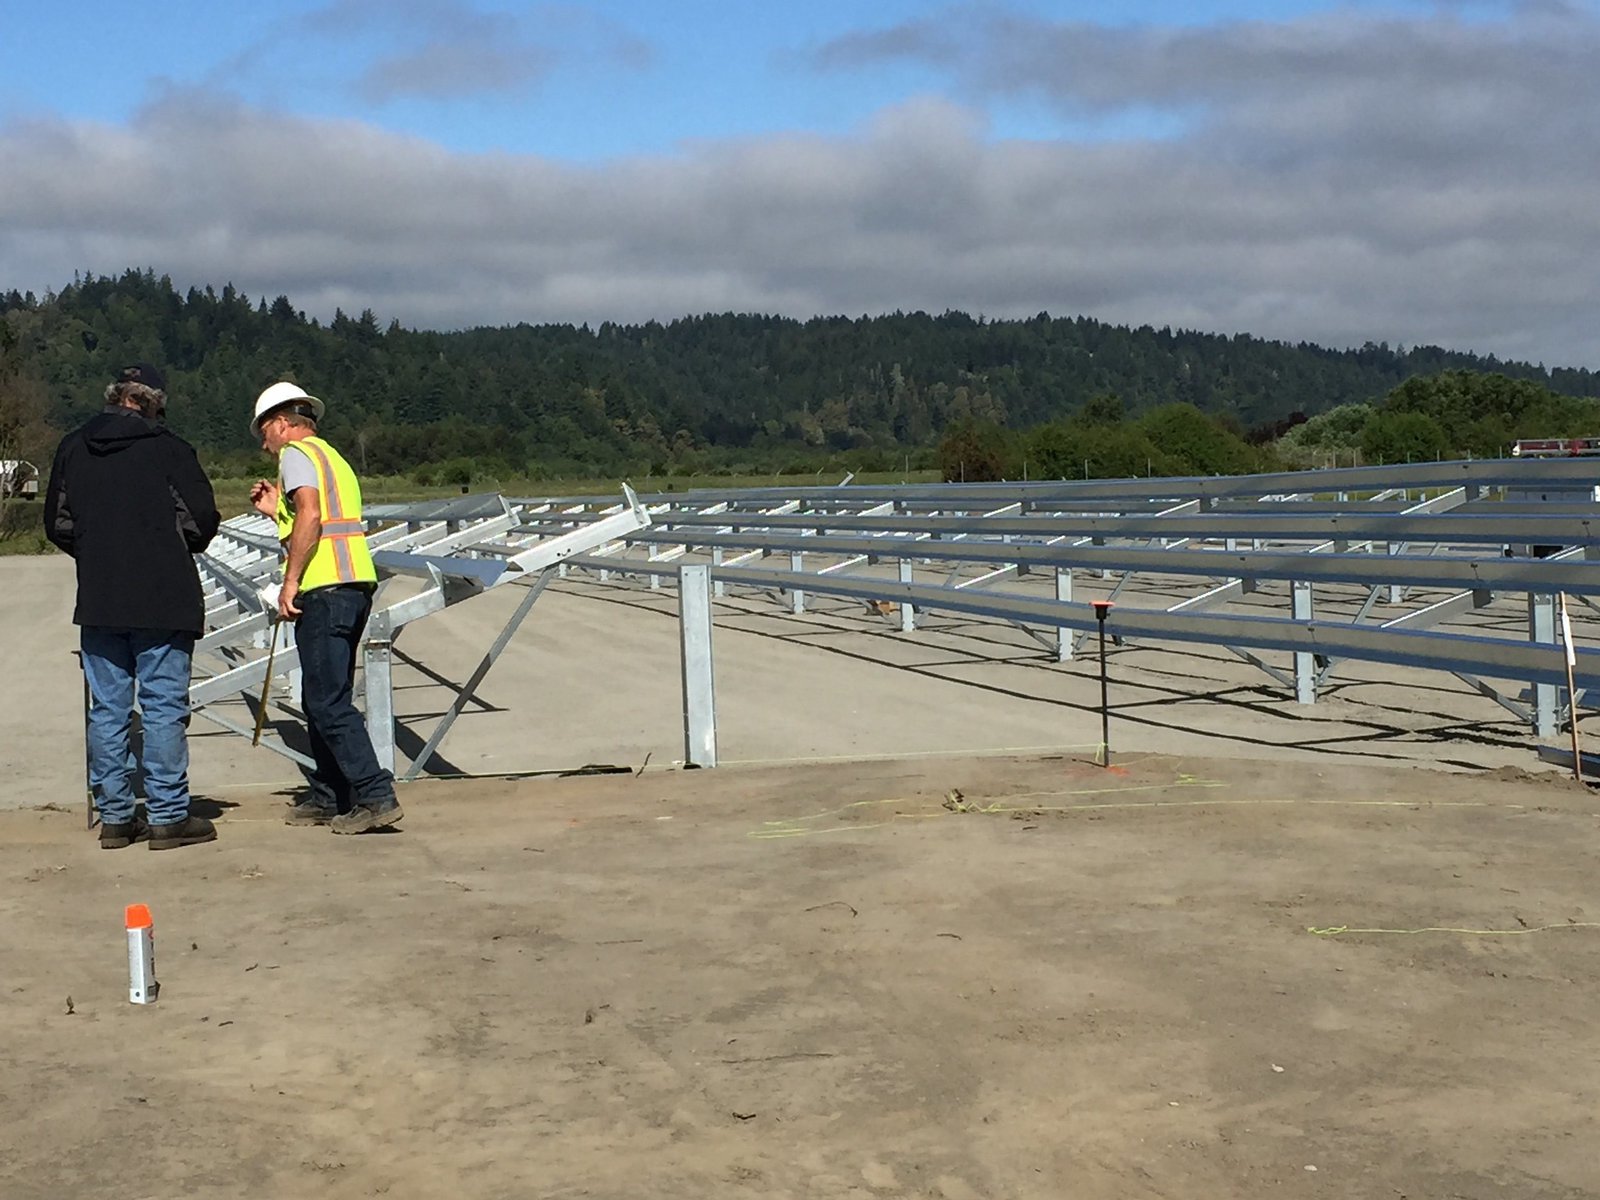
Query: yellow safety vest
{"x":341,"y":554}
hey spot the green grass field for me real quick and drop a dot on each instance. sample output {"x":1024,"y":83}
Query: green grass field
{"x":22,"y":527}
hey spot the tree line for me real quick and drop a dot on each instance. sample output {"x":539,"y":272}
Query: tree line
{"x":1045,"y":396}
{"x":1448,"y":415}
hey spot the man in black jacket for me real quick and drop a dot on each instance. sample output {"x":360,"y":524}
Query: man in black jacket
{"x":128,"y":501}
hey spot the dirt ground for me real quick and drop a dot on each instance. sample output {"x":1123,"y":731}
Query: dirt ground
{"x":824,"y":981}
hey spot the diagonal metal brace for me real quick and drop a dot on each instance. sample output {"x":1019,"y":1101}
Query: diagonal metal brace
{"x":465,"y":695}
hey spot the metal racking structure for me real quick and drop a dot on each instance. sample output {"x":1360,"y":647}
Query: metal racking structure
{"x":1376,"y":564}
{"x":429,"y":556}
{"x":1257,"y":556}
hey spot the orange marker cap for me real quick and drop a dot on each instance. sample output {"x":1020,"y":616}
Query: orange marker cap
{"x":138,"y":916}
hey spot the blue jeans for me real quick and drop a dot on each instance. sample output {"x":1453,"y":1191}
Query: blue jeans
{"x":116,"y":662}
{"x":328,"y":634}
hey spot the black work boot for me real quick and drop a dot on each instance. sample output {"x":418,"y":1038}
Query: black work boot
{"x":190,"y":831}
{"x":363,"y":817}
{"x":309,"y":813}
{"x":117,"y":834}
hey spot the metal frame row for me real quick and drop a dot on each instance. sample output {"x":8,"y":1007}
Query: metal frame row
{"x":1396,"y":565}
{"x":1442,"y":543}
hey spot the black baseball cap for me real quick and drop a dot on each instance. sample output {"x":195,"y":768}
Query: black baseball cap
{"x":143,"y":372}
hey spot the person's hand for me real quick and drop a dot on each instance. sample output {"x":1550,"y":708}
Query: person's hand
{"x":288,"y":610}
{"x":264,"y":496}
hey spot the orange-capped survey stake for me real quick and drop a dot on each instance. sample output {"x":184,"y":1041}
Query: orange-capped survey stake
{"x":142,"y":985}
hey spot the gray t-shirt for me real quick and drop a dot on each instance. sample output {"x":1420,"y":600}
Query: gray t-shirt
{"x":296,"y":471}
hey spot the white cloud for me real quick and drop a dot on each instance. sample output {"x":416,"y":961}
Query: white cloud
{"x":1341,"y":179}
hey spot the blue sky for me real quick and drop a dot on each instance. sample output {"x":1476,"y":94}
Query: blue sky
{"x":1408,"y":172}
{"x":604,"y":79}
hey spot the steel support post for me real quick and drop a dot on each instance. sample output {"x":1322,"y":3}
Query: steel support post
{"x":718,"y":588}
{"x":379,"y":686}
{"x":1305,"y":664}
{"x":797,"y":598}
{"x":699,"y":688}
{"x":1546,"y":696}
{"x":908,"y":611}
{"x":1064,"y":635}
{"x":1394,"y":591}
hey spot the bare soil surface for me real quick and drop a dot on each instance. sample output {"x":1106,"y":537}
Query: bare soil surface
{"x":1001,"y":977}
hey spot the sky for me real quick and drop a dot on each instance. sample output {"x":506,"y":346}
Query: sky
{"x":1368,"y":171}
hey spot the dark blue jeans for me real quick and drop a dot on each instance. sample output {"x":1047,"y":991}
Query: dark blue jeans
{"x":328,"y":634}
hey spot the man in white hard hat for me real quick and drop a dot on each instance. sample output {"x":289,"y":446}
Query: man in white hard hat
{"x":328,"y":584}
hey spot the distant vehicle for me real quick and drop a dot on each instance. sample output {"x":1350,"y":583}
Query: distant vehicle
{"x":18,"y":478}
{"x":1569,"y":494}
{"x":1572,"y":447}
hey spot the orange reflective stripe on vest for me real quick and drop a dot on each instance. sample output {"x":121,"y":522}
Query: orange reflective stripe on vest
{"x":333,"y":514}
{"x":341,"y":554}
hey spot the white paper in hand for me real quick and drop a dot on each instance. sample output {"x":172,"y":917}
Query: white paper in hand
{"x":269,"y":598}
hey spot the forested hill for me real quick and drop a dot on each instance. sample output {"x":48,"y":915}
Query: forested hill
{"x":723,"y":387}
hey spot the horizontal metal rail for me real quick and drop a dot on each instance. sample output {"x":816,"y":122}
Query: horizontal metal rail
{"x":1452,"y":528}
{"x":1409,"y":570}
{"x":1499,"y":658}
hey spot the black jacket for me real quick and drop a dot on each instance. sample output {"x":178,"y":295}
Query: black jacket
{"x":128,"y":500}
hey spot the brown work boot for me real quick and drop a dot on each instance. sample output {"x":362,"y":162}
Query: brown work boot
{"x":307,"y":813}
{"x":190,"y":831}
{"x":117,"y":834}
{"x":362,"y":817}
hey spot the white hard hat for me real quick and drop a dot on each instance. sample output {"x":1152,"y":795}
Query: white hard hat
{"x":277,"y":396}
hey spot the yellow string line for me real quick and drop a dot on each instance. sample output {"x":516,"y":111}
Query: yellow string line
{"x":790,"y":826}
{"x":1337,"y":930}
